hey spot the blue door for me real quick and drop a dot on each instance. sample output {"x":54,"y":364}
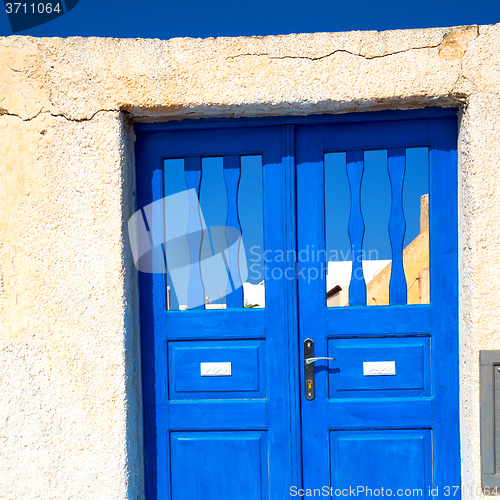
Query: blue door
{"x":217,"y":417}
{"x":384,"y":417}
{"x":232,"y":410}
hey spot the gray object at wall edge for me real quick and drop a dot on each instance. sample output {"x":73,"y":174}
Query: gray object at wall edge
{"x":490,"y":419}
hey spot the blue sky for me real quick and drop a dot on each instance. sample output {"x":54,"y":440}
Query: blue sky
{"x":201,"y":18}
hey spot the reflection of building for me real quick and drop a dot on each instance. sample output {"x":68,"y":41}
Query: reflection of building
{"x":339,"y":276}
{"x":254,"y":295}
{"x":377,"y":273}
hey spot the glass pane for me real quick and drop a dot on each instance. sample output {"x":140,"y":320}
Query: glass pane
{"x":198,"y":221}
{"x":214,"y":240}
{"x":338,"y":246}
{"x":376,"y":199}
{"x":251,"y":214}
{"x":416,"y":210}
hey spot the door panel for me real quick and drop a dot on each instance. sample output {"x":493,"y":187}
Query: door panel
{"x":362,"y":461}
{"x":244,"y":376}
{"x":410,"y":376}
{"x":226,"y":465}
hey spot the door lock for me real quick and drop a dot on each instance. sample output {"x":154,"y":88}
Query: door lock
{"x":309,"y":361}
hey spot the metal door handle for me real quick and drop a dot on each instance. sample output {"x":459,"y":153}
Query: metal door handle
{"x":309,"y":359}
{"x":312,"y":360}
{"x":309,"y":369}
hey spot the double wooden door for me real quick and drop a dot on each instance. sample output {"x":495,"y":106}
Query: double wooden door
{"x":378,"y":419}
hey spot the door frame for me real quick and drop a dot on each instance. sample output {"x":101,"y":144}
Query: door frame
{"x":294,"y":393}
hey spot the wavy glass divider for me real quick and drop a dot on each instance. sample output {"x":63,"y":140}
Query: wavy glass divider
{"x":397,"y":225}
{"x":192,"y":174}
{"x":376,"y":209}
{"x":232,"y":173}
{"x":356,"y":228}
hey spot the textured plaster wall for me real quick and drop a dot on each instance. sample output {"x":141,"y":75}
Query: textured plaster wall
{"x":70,"y":425}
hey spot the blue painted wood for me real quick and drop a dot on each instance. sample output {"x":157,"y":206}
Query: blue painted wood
{"x":178,"y":144}
{"x":412,"y":334}
{"x":345,"y":136}
{"x":232,"y":323}
{"x":291,"y":304}
{"x":218,"y":123}
{"x":146,"y":150}
{"x":393,"y":320}
{"x":384,"y":413}
{"x":312,"y":300}
{"x":396,"y":160}
{"x":279,"y":327}
{"x":364,"y":461}
{"x":194,"y":231}
{"x":443,"y":258}
{"x":216,"y":414}
{"x":356,"y":228}
{"x":431,"y":414}
{"x":159,"y":306}
{"x":338,"y":137}
{"x":246,"y":414}
{"x":248,"y":375}
{"x":232,"y":174}
{"x":412,"y":360}
{"x":224,"y":465}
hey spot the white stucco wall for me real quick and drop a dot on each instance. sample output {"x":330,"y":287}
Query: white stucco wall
{"x":70,"y":415}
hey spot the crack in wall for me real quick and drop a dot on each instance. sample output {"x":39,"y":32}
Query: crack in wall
{"x":463,"y":97}
{"x":453,"y":92}
{"x":4,"y":112}
{"x":345,"y":51}
{"x":333,"y":53}
{"x":16,"y":70}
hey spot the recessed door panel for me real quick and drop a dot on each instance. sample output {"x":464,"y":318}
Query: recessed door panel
{"x":379,"y":367}
{"x":231,"y":369}
{"x":382,"y":462}
{"x":223,"y":465}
